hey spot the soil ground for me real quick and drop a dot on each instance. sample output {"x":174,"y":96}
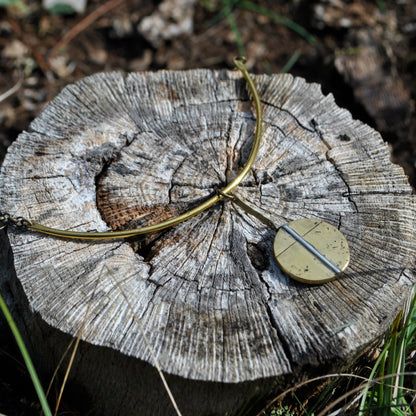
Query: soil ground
{"x":41,"y":52}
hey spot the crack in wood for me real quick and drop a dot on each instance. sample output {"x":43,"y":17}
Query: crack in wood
{"x":341,"y":175}
{"x":281,"y":108}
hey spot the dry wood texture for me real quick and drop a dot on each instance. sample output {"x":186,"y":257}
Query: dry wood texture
{"x":115,"y":151}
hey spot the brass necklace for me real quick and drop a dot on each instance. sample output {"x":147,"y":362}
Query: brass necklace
{"x":308,"y":250}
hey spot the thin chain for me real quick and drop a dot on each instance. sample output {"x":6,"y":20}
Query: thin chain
{"x":7,"y":219}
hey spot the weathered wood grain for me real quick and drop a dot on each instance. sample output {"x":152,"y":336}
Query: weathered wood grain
{"x":115,"y":151}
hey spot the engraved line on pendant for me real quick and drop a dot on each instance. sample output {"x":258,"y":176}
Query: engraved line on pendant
{"x":312,"y":249}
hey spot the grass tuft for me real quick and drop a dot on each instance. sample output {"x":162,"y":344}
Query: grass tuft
{"x":225,"y":9}
{"x":388,"y":397}
{"x":383,"y":391}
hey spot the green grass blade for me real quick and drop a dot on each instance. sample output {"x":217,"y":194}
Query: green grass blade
{"x":407,"y":337}
{"x":301,"y":31}
{"x":235,"y":30}
{"x":289,"y":64}
{"x":381,"y":5}
{"x":391,"y":362}
{"x":379,"y":363}
{"x":26,"y":358}
{"x":388,"y":397}
{"x":305,"y":412}
{"x":228,"y":5}
{"x":227,"y":13}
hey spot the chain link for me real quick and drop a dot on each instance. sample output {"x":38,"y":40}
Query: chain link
{"x":7,"y":219}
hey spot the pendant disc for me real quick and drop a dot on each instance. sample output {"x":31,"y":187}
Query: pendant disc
{"x":311,"y":251}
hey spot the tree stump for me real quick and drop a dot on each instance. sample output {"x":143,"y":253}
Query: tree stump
{"x":117,"y":151}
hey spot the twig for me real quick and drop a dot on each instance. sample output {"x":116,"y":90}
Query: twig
{"x":13,"y":89}
{"x":84,"y":23}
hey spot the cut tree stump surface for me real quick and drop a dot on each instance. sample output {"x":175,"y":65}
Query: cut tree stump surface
{"x":119,"y":151}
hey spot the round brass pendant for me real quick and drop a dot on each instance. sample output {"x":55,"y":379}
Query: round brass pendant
{"x":311,"y":251}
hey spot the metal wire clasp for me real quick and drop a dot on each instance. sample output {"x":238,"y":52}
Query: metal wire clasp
{"x":7,"y":219}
